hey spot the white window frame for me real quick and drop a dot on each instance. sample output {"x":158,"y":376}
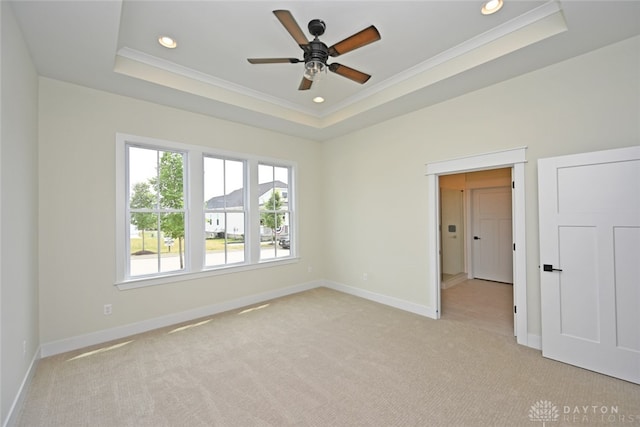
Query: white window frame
{"x":195,"y":213}
{"x":226,"y":210}
{"x":157,"y":210}
{"x":290,"y":206}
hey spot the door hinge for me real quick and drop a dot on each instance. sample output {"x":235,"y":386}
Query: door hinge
{"x":513,"y":184}
{"x":515,"y":309}
{"x":514,"y":246}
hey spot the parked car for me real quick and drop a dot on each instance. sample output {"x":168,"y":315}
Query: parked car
{"x":284,"y":243}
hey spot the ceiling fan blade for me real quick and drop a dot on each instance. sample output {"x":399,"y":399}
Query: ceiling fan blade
{"x":350,"y":73}
{"x":288,"y":21}
{"x":273,"y":60}
{"x":362,"y":38}
{"x":305,"y":84}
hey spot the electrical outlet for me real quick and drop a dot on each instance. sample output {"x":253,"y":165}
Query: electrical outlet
{"x":108,"y":309}
{"x":24,"y":348}
{"x":365,"y":276}
{"x":309,"y":269}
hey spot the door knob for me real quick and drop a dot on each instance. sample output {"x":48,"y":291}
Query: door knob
{"x":549,"y":267}
{"x":476,"y":238}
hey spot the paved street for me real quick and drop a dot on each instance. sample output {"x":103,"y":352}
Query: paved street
{"x":148,"y":264}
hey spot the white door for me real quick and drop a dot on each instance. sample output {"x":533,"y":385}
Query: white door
{"x":590,"y":260}
{"x":492,"y":234}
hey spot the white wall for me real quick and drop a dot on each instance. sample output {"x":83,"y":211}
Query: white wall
{"x":588,"y":103}
{"x":19,"y":209}
{"x":77,"y":204}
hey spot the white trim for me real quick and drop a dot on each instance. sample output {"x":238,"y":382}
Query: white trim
{"x":514,"y":158}
{"x":18,"y":402}
{"x":401,"y":304}
{"x":433,"y":242}
{"x":212,"y":271}
{"x":476,"y":162}
{"x":456,"y":280}
{"x":105,"y":335}
{"x":208,"y":79}
{"x":520,"y":255}
{"x":534,"y":341}
{"x":498,"y":41}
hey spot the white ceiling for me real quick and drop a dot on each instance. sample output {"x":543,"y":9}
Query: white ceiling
{"x":430,"y":51}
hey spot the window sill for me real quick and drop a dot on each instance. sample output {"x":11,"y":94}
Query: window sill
{"x":218,"y":271}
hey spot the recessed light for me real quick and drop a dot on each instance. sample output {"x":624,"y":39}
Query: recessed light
{"x":318,"y":100}
{"x":491,"y":6}
{"x":167,"y":42}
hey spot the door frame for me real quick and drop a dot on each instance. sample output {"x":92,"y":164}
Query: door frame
{"x":515,"y":159}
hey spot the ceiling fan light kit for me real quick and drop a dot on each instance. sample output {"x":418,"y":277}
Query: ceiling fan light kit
{"x":313,"y":70}
{"x":316,"y":53}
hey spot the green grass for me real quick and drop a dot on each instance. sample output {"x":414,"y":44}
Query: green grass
{"x":151,"y":244}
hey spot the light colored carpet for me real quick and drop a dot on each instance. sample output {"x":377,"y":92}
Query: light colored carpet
{"x":487,"y":305}
{"x":318,"y":358}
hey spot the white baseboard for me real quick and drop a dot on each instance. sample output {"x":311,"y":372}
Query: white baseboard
{"x":411,"y":307}
{"x":457,"y":279}
{"x":534,"y":341}
{"x":99,"y":337}
{"x":12,"y":415}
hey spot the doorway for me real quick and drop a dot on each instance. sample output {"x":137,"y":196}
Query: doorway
{"x":476,"y":241}
{"x":514,"y":159}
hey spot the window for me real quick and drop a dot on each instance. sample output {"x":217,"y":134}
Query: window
{"x":225,"y":215}
{"x":184,"y":209}
{"x":155,"y":213}
{"x":273,"y":183}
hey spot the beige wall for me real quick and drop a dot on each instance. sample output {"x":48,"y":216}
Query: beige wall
{"x":19,"y":209}
{"x":362,"y":196}
{"x":77,"y":204}
{"x":375,"y":178}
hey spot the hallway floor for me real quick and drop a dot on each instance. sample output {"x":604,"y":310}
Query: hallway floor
{"x":488,"y":305}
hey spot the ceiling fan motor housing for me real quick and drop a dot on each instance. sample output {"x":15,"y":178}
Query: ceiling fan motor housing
{"x":316,"y":51}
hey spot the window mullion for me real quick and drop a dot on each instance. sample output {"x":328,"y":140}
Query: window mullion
{"x":194,"y":211}
{"x":253,"y":236}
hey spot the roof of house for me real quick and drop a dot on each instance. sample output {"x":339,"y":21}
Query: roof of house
{"x":235,"y":198}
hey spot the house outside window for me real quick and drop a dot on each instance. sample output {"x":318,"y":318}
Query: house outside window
{"x":225,"y":215}
{"x":275,"y":215}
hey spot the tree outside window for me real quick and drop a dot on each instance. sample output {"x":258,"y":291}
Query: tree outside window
{"x":156,"y":209}
{"x":275,"y":213}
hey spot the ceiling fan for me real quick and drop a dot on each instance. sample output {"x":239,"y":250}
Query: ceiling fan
{"x":316,"y":53}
